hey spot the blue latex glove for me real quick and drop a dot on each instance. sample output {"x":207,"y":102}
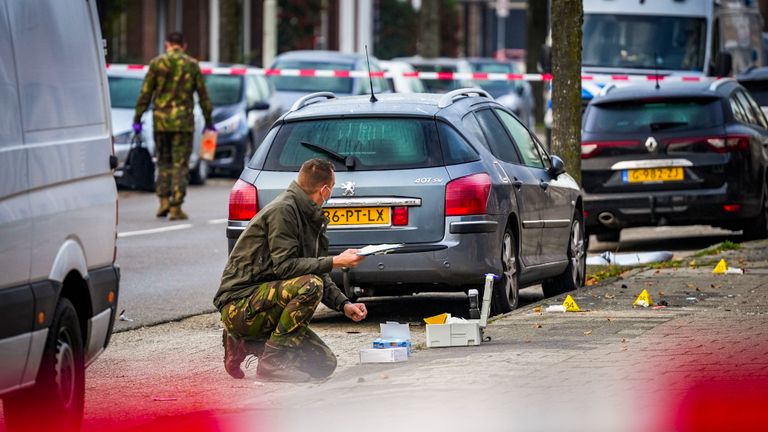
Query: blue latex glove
{"x":137,"y":128}
{"x":211,"y":128}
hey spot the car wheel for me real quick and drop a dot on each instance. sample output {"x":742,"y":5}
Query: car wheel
{"x":506,"y":293}
{"x":612,"y":236}
{"x":574,"y":275}
{"x":757,"y":228}
{"x":56,"y":400}
{"x":199,"y":174}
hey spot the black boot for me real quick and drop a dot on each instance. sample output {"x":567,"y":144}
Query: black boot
{"x":234,"y":354}
{"x":276,"y":364}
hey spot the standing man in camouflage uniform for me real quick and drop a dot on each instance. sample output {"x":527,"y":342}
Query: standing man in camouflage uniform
{"x":173,"y":78}
{"x":276,"y":275}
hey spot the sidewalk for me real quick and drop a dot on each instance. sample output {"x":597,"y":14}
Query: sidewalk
{"x":701,"y":361}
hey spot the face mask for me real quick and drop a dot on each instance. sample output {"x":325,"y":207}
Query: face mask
{"x":325,"y":201}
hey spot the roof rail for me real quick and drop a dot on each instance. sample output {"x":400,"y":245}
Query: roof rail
{"x":307,"y":100}
{"x":719,"y":83}
{"x":604,"y":91}
{"x":449,"y":97}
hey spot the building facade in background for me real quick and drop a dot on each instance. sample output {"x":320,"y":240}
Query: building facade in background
{"x":254,"y":31}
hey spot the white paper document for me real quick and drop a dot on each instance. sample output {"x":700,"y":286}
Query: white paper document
{"x":379,"y":249}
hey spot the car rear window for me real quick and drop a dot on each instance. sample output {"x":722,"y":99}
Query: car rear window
{"x":123,"y":91}
{"x":375,"y":143}
{"x":313,"y":84}
{"x":440,"y":85}
{"x":224,"y":89}
{"x":654,"y":115}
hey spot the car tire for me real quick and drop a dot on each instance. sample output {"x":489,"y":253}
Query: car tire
{"x":506,"y":292}
{"x":574,"y":275}
{"x":199,"y":174}
{"x":611,"y":236}
{"x":56,"y":400}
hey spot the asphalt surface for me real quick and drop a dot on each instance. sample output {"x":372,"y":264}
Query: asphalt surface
{"x":171,"y":270}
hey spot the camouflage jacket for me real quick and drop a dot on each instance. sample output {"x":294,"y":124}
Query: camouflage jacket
{"x":173,"y":78}
{"x":285,"y":240}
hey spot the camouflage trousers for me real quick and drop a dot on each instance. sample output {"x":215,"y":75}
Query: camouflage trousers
{"x":173,"y":152}
{"x":278,"y":313}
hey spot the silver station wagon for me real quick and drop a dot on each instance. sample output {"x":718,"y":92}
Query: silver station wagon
{"x":456,"y":178}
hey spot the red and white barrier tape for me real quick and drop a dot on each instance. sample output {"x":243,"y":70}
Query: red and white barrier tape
{"x":475,"y":76}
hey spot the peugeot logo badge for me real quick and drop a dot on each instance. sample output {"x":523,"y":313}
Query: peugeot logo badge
{"x":651,"y":144}
{"x":348,"y":188}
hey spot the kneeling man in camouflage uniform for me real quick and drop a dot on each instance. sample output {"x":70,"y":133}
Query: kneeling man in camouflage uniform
{"x":276,"y":275}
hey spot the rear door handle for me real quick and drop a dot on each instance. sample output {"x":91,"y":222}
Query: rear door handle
{"x":517,"y":183}
{"x":544,"y":185}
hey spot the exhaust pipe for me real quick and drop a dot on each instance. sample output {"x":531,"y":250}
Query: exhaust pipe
{"x":607,"y":218}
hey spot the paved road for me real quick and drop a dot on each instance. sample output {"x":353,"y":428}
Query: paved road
{"x":171,"y":269}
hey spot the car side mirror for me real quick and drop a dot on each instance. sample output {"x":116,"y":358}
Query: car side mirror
{"x":723,"y":64}
{"x":259,"y":105}
{"x":558,"y":166}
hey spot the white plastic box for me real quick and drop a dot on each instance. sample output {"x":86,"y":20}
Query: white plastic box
{"x":466,"y":332}
{"x":383,"y":355}
{"x":455,"y":334}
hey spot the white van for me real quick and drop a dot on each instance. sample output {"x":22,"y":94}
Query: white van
{"x":58,"y":210}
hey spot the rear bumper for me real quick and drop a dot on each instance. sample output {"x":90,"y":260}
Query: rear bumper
{"x":470,"y":248}
{"x":468,"y":251}
{"x":670,"y":208}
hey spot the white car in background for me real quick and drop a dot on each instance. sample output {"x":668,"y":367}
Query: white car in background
{"x":398,"y":83}
{"x":124,"y":89}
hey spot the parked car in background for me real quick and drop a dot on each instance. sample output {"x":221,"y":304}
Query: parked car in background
{"x":291,"y":88}
{"x":124,"y":88}
{"x":683,"y":154}
{"x":244,"y":108}
{"x":59,"y":281}
{"x":398,"y":82}
{"x":456,"y":178}
{"x":515,"y":95}
{"x":441,"y":65}
{"x":756,"y":82}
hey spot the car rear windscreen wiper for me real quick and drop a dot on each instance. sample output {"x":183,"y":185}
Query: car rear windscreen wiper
{"x":666,"y":125}
{"x":348,"y":161}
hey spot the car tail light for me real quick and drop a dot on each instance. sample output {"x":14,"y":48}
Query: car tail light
{"x":400,"y":216}
{"x":243,"y":201}
{"x":591,"y":149}
{"x":732,"y":208}
{"x":728,"y":144}
{"x":467,"y":195}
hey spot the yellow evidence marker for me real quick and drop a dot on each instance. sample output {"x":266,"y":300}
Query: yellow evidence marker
{"x":570,"y":304}
{"x":644,"y":299}
{"x":721,"y":267}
